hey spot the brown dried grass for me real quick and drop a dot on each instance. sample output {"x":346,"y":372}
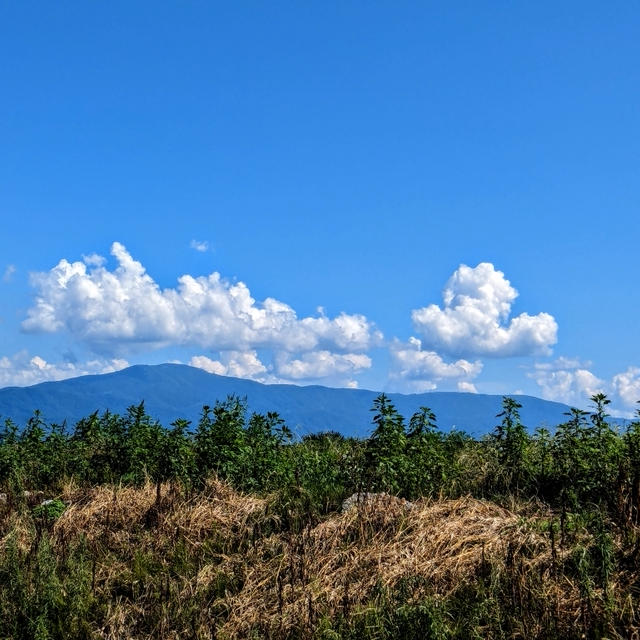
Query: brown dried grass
{"x":120,"y":523}
{"x":285,"y":581}
{"x":117,"y":515}
{"x":337,"y":565}
{"x":19,"y":530}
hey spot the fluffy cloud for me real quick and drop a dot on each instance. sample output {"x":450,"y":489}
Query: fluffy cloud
{"x":21,"y":370}
{"x":237,"y":364}
{"x":315,"y":365}
{"x":567,"y":380}
{"x":474,"y":319}
{"x":421,"y":370}
{"x":570,"y":381}
{"x":94,"y":260}
{"x":112,"y":309}
{"x":627,"y":386}
{"x":310,"y":366}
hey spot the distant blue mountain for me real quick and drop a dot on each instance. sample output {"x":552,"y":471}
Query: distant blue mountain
{"x":172,"y":391}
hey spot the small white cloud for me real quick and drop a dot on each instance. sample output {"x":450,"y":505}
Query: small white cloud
{"x":237,"y":364}
{"x":93,"y":260}
{"x":106,"y":366}
{"x":562,"y":363}
{"x":474,"y":319}
{"x":9,"y":272}
{"x":315,"y":365}
{"x":39,"y":363}
{"x":20,"y":370}
{"x":419,"y":386}
{"x":199,"y":245}
{"x":208,"y":365}
{"x":627,"y":386}
{"x":567,"y":380}
{"x":420,"y":370}
{"x":467,"y":387}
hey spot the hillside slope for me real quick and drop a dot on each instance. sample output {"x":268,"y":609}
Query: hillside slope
{"x":171,"y":391}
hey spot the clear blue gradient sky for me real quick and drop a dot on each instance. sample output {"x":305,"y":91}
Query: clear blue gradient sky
{"x":358,"y":157}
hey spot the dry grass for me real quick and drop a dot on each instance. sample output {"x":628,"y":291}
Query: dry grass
{"x":337,"y":565}
{"x":118,"y":515}
{"x":18,"y":529}
{"x":123,"y":523}
{"x":281,"y":582}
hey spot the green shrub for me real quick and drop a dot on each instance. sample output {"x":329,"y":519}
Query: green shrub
{"x":49,"y":510}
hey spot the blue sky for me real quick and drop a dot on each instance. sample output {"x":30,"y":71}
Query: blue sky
{"x":383,"y":189}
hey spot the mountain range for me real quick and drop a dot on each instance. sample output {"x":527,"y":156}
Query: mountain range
{"x":172,"y":391}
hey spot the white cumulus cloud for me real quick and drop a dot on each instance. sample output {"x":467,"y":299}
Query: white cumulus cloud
{"x":315,"y":365}
{"x":627,"y":386}
{"x":125,"y":307}
{"x":567,"y":380}
{"x":421,"y":370}
{"x":474,"y":319}
{"x":93,"y":260}
{"x":237,"y":364}
{"x":21,"y":370}
{"x":571,"y":381}
{"x":318,"y":366}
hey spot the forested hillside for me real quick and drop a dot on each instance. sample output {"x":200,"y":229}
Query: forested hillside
{"x":123,"y":527}
{"x":172,"y":391}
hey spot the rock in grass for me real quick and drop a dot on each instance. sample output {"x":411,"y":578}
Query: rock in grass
{"x":369,"y":498}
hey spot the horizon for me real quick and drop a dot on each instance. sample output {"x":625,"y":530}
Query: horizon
{"x":286,"y":384}
{"x":398,"y":198}
{"x":173,"y":391}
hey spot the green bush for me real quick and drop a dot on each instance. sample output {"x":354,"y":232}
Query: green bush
{"x":50,"y":509}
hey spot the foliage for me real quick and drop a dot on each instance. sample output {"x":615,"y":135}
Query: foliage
{"x":386,"y":448}
{"x":49,"y":510}
{"x":426,"y":461}
{"x":563,"y":565}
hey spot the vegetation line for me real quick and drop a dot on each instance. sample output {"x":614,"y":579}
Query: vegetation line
{"x":120,"y":527}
